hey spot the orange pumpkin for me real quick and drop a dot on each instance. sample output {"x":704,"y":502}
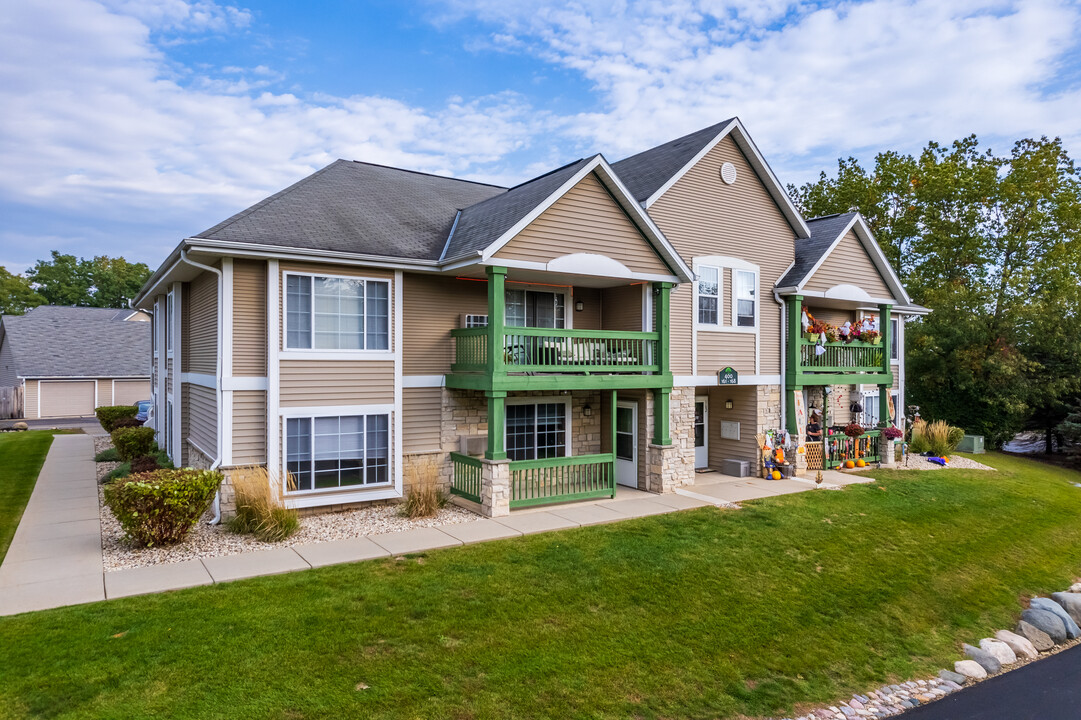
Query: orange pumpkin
{"x":861,"y":463}
{"x":776,"y":474}
{"x":850,"y":464}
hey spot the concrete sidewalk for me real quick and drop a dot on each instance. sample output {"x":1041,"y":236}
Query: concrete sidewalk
{"x":55,"y":556}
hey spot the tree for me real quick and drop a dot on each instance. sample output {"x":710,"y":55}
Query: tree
{"x":16,"y":295}
{"x":100,"y":282}
{"x":993,"y":246}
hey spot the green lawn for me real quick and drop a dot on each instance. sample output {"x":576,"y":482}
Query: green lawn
{"x":699,"y":614}
{"x":21,"y":456}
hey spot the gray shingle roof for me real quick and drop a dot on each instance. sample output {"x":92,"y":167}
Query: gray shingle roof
{"x":482,"y":224}
{"x":809,"y":251}
{"x":52,"y":341}
{"x":646,"y":172}
{"x":357,"y":207}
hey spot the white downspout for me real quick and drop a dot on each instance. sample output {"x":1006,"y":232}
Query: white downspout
{"x":784,"y":387}
{"x":217,"y":376}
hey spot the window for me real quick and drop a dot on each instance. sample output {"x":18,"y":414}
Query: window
{"x":871,"y":412}
{"x":536,"y":431}
{"x":745,"y":286}
{"x":893,"y":338}
{"x":169,"y":323}
{"x":474,"y":321}
{"x":529,"y":308}
{"x":709,"y":295}
{"x":336,"y":313}
{"x":326,"y":453}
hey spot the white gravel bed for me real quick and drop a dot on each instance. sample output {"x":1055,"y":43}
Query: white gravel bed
{"x":102,"y":442}
{"x":216,"y":540}
{"x":918,"y":462}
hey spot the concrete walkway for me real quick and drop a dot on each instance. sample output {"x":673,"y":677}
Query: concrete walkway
{"x":55,"y":558}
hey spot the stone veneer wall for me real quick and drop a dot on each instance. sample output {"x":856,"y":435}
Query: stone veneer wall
{"x":672,"y":466}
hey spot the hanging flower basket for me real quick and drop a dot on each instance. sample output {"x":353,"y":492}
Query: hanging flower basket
{"x":853,"y":430}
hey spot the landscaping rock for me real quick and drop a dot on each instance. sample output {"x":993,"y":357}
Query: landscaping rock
{"x":1041,"y":603}
{"x":970,"y":669}
{"x":1049,"y":622}
{"x":1076,"y":587}
{"x":1071,"y":603}
{"x":1002,"y":652}
{"x":1021,"y":646}
{"x":950,"y":676}
{"x":1039,"y":639}
{"x":988,"y":661}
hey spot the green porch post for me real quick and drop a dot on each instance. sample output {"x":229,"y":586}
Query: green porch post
{"x":497,"y":406}
{"x":662,"y":413}
{"x":884,"y":389}
{"x":612,"y":470}
{"x":497,"y":319}
{"x":794,"y":305}
{"x":662,"y":416}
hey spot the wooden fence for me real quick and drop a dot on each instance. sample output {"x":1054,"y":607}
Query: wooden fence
{"x":11,"y":402}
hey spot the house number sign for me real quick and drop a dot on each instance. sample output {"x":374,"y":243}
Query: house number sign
{"x":728,"y":376}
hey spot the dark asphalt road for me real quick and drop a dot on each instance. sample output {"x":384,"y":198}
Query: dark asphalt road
{"x":1048,"y":689}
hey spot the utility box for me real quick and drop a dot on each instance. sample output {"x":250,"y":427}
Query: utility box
{"x":474,"y":445}
{"x":736,"y":468}
{"x":971,"y":444}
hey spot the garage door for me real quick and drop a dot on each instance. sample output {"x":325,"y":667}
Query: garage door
{"x":129,"y":392}
{"x":66,"y":399}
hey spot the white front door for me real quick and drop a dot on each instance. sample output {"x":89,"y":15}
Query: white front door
{"x":701,"y":432}
{"x":627,"y":444}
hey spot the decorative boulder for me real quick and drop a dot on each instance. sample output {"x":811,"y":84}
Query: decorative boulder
{"x":986,"y":660}
{"x":1041,"y":603}
{"x":1049,"y":622}
{"x":950,"y":676}
{"x":1002,"y":652}
{"x":1076,"y":587}
{"x":1071,"y":603}
{"x":1039,"y":639}
{"x":1021,"y":646}
{"x":970,"y":669}
{"x":20,"y":426}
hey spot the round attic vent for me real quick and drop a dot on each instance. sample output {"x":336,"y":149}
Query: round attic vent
{"x":728,"y":173}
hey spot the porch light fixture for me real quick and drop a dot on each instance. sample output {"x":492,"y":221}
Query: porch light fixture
{"x":587,"y":411}
{"x":579,"y":306}
{"x":728,"y":404}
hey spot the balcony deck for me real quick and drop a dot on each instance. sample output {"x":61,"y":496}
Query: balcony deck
{"x":851,"y":362}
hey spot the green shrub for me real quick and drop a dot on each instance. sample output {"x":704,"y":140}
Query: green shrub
{"x":937,"y":438}
{"x":160,"y":507}
{"x":120,"y":471}
{"x":107,"y":456}
{"x":126,"y":422}
{"x":144,"y":463}
{"x":163,"y":459}
{"x":130,"y":443}
{"x":109,"y":414}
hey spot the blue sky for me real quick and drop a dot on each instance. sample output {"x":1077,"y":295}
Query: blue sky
{"x":130,"y":124}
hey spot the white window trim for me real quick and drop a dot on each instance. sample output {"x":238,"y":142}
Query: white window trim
{"x":895,"y":338}
{"x":545,"y":400}
{"x":170,"y":323}
{"x":314,"y":353}
{"x":318,"y":411}
{"x":720,"y":297}
{"x":723,"y":262}
{"x":735,"y":301}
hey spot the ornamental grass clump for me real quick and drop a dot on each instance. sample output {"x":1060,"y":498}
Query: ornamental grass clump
{"x":938,"y":438}
{"x":259,"y":507}
{"x":133,"y":442}
{"x":424,"y":498}
{"x":160,"y":507}
{"x":109,"y":414}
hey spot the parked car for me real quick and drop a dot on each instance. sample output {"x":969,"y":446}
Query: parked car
{"x":143,"y":410}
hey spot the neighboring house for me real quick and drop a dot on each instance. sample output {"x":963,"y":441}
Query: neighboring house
{"x":70,"y":360}
{"x":541,"y":343}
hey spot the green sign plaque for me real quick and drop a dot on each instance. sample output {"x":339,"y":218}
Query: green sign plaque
{"x":728,"y":376}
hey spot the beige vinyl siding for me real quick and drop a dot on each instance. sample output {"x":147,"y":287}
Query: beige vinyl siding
{"x":200,"y":409}
{"x":622,"y":308}
{"x":66,"y":398}
{"x":336,"y":382}
{"x":249,"y":427}
{"x":249,"y":318}
{"x":30,"y":398}
{"x":744,"y":411}
{"x":421,"y":417}
{"x":701,"y":215}
{"x":849,"y":264}
{"x":832,"y":316}
{"x":129,"y":392}
{"x":718,"y":350}
{"x":682,"y":326}
{"x":585,"y":220}
{"x":200,"y":331}
{"x":8,"y":377}
{"x":433,"y":307}
{"x":592,"y":308}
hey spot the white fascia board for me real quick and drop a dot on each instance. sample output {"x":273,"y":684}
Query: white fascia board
{"x":222,"y":247}
{"x":758,"y":163}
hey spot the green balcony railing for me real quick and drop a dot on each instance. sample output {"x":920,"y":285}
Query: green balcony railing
{"x":561,"y":479}
{"x":466,"y":480}
{"x":842,"y":447}
{"x":853,"y":357}
{"x":548,"y":350}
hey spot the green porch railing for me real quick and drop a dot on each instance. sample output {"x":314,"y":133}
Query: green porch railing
{"x":841,"y":447}
{"x":466,"y":480}
{"x":853,"y":357}
{"x":561,"y":479}
{"x":550,"y":350}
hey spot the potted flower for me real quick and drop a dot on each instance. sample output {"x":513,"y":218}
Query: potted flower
{"x":831,"y":334}
{"x":872,"y":336}
{"x":817,"y":328}
{"x":892,"y":432}
{"x":853,"y":429}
